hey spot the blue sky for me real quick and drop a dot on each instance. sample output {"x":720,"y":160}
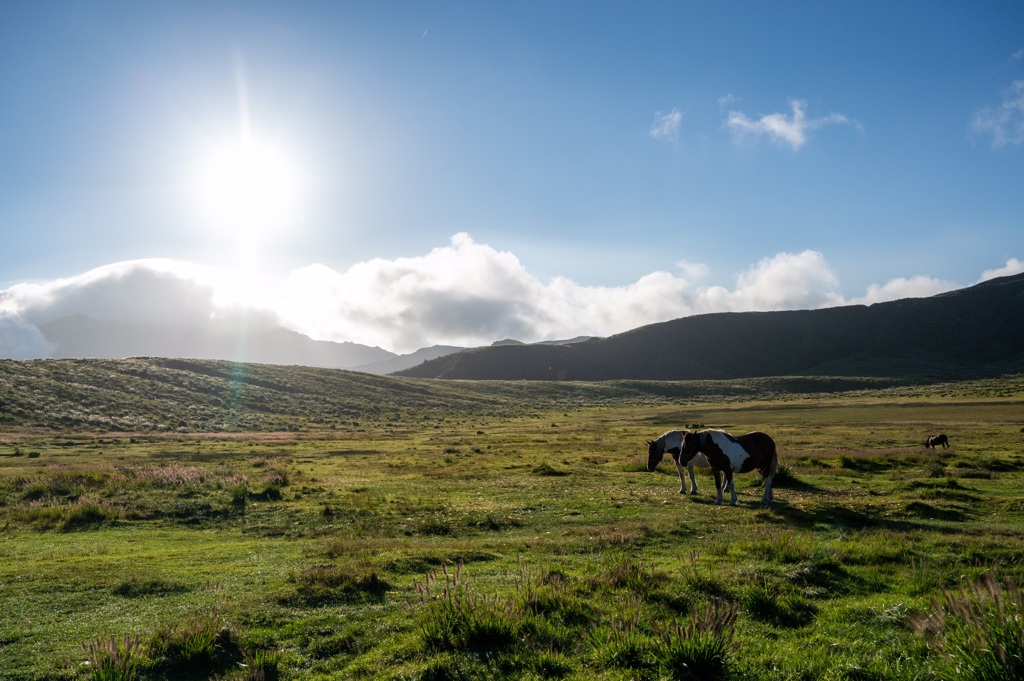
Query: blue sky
{"x":461,"y":172}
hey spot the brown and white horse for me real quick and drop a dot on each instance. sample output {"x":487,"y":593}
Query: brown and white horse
{"x":935,"y":440}
{"x":725,"y":454}
{"x":670,"y":443}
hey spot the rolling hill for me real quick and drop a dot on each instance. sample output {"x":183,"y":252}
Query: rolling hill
{"x":972,"y":332}
{"x":159,"y":395}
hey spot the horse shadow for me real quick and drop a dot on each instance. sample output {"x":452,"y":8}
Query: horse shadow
{"x":836,"y":516}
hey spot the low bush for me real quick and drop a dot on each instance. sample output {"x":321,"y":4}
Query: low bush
{"x":767,"y":604}
{"x":326,"y":584}
{"x":201,"y":646}
{"x":977,"y":631}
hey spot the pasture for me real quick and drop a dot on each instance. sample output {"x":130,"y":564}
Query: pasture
{"x":471,"y":545}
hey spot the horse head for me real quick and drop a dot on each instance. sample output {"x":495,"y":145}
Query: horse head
{"x":655,"y":453}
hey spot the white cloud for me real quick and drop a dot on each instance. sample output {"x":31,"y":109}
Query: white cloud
{"x":471,"y":294}
{"x":1004,"y":122}
{"x":789,"y":130}
{"x":464,"y":293}
{"x":1012,"y":266}
{"x":666,"y":126}
{"x":917,"y":286}
{"x":154,"y":290}
{"x":726,"y":100}
{"x":20,"y":339}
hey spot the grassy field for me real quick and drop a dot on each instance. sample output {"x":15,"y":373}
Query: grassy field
{"x":511,"y":531}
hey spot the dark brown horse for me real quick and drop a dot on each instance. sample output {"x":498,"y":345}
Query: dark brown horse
{"x":727,"y":453}
{"x":935,"y":440}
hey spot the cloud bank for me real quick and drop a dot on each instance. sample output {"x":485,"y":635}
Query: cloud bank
{"x":465,"y":293}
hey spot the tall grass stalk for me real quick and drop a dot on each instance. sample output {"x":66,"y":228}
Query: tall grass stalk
{"x":977,"y":631}
{"x":110,"y":659}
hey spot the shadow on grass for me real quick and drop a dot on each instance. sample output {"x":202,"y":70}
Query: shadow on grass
{"x":841,"y":517}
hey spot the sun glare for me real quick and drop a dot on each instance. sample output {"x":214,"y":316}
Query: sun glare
{"x":249,"y":190}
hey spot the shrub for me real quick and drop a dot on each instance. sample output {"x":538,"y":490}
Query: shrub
{"x":35,"y":491}
{"x":766,"y":604}
{"x":459,"y":620}
{"x":137,"y":588}
{"x":112,"y":660}
{"x":322,"y":584}
{"x":623,"y":647}
{"x":700,"y":649}
{"x":978,"y":631}
{"x":785,"y":478}
{"x":545,"y":469}
{"x":201,"y":646}
{"x":87,"y":514}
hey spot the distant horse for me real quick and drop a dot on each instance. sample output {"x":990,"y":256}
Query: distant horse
{"x":935,"y":440}
{"x":670,"y":443}
{"x":726,"y":453}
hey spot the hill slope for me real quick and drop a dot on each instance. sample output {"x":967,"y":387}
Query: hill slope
{"x":154,"y":395}
{"x":972,"y":332}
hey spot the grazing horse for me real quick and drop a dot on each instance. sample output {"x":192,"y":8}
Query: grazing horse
{"x":670,"y":443}
{"x":727,"y":453}
{"x":935,"y":440}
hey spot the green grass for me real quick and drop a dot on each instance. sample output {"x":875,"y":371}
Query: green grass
{"x":472,"y":531}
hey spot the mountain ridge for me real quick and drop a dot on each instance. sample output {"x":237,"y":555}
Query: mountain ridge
{"x":975,"y":331}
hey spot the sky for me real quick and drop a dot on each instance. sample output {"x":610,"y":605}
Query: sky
{"x":404,"y":174}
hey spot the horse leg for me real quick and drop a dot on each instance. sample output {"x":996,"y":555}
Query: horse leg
{"x":682,"y":477}
{"x":693,"y":479}
{"x":769,"y":494}
{"x":731,"y":484}
{"x":718,"y":484}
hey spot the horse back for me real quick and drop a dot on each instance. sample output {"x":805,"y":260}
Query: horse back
{"x":761,"y":449}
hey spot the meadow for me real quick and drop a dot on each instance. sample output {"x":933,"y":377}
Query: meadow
{"x":450,"y":541}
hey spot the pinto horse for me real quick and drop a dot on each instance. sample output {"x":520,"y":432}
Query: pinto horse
{"x":726,"y":453}
{"x":935,"y":440}
{"x":670,"y":443}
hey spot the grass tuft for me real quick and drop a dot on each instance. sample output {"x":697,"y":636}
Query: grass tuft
{"x":110,"y":659}
{"x":978,"y":631}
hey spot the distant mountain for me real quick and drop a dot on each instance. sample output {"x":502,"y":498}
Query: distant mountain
{"x":566,"y":341}
{"x":977,"y":331}
{"x":400,"y":362}
{"x":235,"y":339}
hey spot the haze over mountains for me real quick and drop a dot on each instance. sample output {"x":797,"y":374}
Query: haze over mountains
{"x":973,"y":331}
{"x":237,"y":338}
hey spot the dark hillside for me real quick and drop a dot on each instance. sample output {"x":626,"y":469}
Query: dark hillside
{"x":972,"y":332}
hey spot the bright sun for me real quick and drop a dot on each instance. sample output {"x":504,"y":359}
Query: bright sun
{"x":248,"y":190}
